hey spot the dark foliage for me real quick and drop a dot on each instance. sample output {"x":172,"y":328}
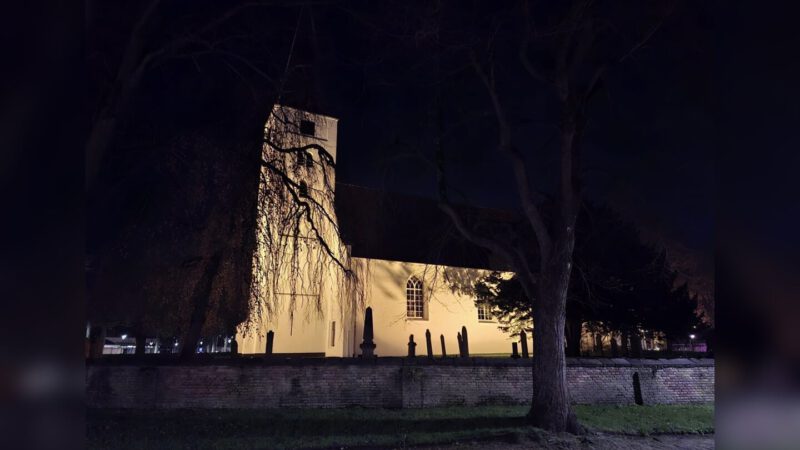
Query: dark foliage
{"x":620,"y":285}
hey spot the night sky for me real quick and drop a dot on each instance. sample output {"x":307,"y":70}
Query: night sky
{"x":648,"y":149}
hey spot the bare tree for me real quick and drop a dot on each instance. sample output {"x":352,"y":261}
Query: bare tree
{"x":160,"y":35}
{"x":566,"y":53}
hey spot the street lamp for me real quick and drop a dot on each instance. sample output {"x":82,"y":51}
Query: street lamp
{"x":691,"y":340}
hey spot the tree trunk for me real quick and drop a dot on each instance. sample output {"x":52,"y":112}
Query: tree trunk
{"x":97,"y":339}
{"x":598,"y":343}
{"x":636,"y":345}
{"x":550,"y":408}
{"x":573,"y":332}
{"x":625,"y":339}
{"x":614,"y":347}
{"x":200,"y":297}
{"x":141,"y":340}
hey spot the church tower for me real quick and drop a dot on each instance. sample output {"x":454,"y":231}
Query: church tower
{"x":297,"y":272}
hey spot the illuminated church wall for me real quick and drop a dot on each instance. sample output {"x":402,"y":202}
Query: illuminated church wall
{"x":325,"y":314}
{"x":444,"y":311}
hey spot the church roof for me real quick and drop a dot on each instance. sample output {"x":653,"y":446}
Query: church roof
{"x":400,"y":227}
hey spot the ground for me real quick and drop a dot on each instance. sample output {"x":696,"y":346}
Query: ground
{"x":592,"y":441}
{"x":485,"y":427}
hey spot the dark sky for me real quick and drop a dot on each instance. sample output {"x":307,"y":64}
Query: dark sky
{"x":648,"y":150}
{"x":758,"y":110}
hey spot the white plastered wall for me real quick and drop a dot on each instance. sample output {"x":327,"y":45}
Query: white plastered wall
{"x":446,"y":311}
{"x":302,"y":322}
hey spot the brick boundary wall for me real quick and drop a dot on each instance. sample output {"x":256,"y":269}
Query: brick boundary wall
{"x":385,"y":382}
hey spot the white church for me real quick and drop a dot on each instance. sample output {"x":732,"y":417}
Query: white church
{"x":412,"y":268}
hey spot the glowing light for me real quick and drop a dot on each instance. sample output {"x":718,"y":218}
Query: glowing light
{"x":175,"y":344}
{"x":691,"y":336}
{"x":124,"y":336}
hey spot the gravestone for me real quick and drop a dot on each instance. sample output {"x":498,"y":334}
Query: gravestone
{"x":270,"y":341}
{"x":444,"y":351}
{"x":523,"y":339}
{"x":368,"y":346}
{"x":465,"y":340}
{"x":428,"y":343}
{"x":514,"y":352}
{"x":412,"y":346}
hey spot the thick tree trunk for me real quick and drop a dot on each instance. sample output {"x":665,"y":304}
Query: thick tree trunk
{"x":200,"y":298}
{"x":573,"y":332}
{"x":550,"y":408}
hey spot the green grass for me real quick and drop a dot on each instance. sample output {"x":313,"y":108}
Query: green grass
{"x":234,"y":429}
{"x":648,"y":419}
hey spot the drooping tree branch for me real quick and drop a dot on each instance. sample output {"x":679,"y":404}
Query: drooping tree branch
{"x":298,"y":236}
{"x":306,"y":203}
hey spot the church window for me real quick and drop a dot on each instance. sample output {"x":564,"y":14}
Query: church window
{"x":415,"y":306}
{"x":484,"y":312}
{"x":303,"y":189}
{"x":307,"y":127}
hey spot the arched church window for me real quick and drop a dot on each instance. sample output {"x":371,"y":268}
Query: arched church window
{"x":309,"y":161}
{"x":415,"y":306}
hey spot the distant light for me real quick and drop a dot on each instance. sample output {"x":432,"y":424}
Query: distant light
{"x":201,"y":342}
{"x":229,"y":340}
{"x":691,"y":336}
{"x":175,"y":344}
{"x":124,"y":336}
{"x":657,"y":348}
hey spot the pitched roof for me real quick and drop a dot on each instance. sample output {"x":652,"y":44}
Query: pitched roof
{"x":400,"y":227}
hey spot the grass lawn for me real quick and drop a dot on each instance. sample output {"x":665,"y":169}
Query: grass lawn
{"x":235,"y":429}
{"x":648,"y":419}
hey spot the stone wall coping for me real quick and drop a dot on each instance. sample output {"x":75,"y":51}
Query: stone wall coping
{"x":259,"y":360}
